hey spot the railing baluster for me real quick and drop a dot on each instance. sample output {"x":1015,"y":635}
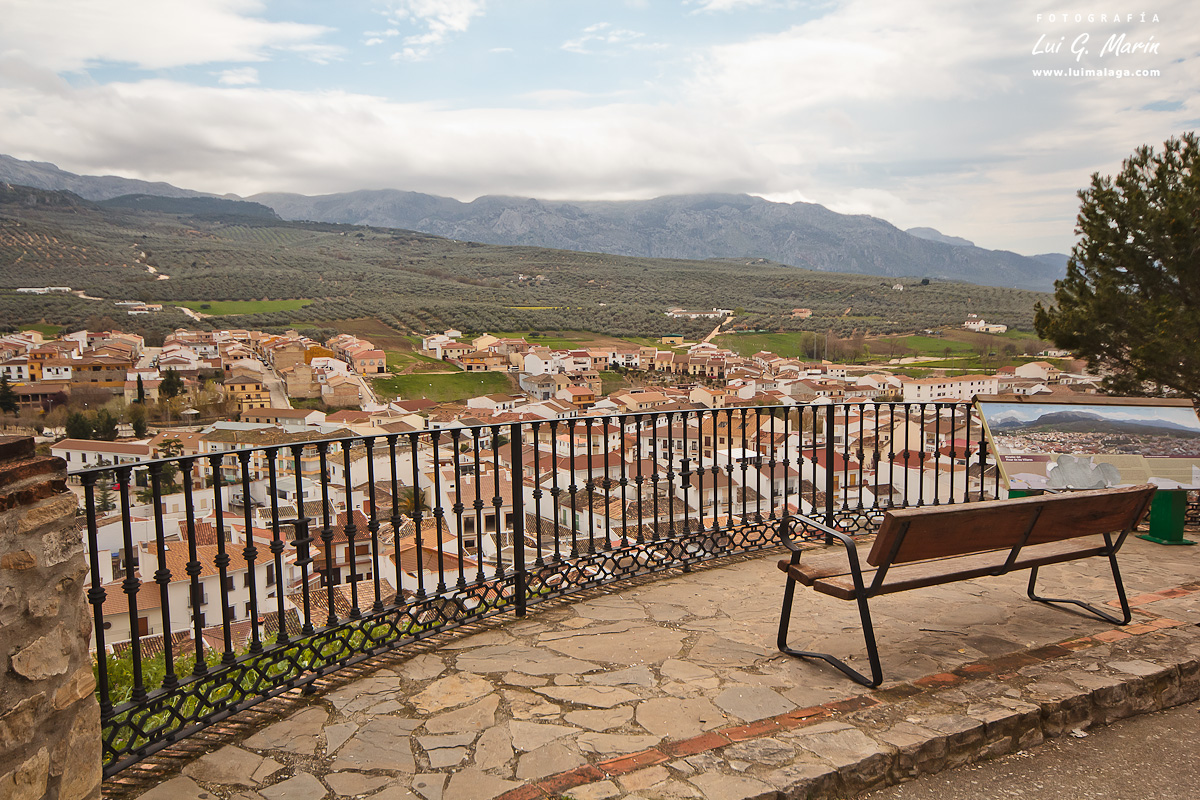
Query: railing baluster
{"x":250,"y":552}
{"x":303,"y":540}
{"x":937,"y":451}
{"x":350,"y":530}
{"x":573,"y":490}
{"x":608,"y":484}
{"x":221,"y":560}
{"x":830,"y":487}
{"x":518,"y":462}
{"x":162,"y":576}
{"x":670,"y":487}
{"x":397,"y":519}
{"x":497,"y":502}
{"x":520,"y":578}
{"x":590,"y":485}
{"x":97,"y":594}
{"x":685,"y":474}
{"x":373,"y":525}
{"x":477,"y":479}
{"x":457,"y":508}
{"x":555,"y":463}
{"x":624,"y":488}
{"x":277,"y":547}
{"x":326,"y":532}
{"x":640,"y":481}
{"x":195,"y":588}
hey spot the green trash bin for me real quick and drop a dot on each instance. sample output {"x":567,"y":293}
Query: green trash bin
{"x":1167,"y":512}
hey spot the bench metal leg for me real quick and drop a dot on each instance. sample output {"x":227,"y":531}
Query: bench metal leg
{"x":864,"y":613}
{"x":1126,"y":614}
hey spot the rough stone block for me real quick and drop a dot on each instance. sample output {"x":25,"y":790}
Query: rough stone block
{"x":19,"y":726}
{"x":28,"y":781}
{"x":81,"y":771}
{"x":45,"y":657}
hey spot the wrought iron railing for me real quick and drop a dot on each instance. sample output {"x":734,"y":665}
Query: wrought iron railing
{"x":224,"y":578}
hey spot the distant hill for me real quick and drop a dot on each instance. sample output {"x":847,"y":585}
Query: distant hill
{"x":699,"y":226}
{"x":685,"y":226}
{"x":1056,"y":261}
{"x":935,"y":235}
{"x":192,"y":206}
{"x":42,"y":175}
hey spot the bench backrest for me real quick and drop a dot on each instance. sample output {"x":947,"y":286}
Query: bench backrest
{"x":937,"y":532}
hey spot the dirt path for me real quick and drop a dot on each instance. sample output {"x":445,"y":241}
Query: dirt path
{"x":716,"y":330}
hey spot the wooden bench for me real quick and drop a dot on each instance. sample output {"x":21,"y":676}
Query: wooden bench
{"x":931,"y":546}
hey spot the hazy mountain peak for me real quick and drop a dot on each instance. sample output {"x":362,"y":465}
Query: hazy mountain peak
{"x":934,"y":235}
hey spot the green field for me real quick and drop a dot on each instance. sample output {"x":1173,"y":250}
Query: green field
{"x":47,"y":330}
{"x":788,"y":345}
{"x":561,"y":340}
{"x":398,"y":361}
{"x":229,"y":308}
{"x":443,"y":388}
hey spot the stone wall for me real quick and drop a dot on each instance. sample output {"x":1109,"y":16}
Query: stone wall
{"x":49,"y":717}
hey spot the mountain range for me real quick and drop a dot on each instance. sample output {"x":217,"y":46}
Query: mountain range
{"x":696,"y":226}
{"x":1079,"y":421}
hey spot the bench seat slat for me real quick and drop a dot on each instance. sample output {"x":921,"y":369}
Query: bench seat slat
{"x":834,"y":579}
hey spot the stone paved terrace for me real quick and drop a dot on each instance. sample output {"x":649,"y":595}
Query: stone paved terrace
{"x":672,"y":688}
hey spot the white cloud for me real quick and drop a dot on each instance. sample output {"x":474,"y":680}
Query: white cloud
{"x":600,"y":34}
{"x":72,"y":35}
{"x":928,"y":113}
{"x":730,"y":5}
{"x":923,"y":113}
{"x":253,"y":139}
{"x":243,"y":76}
{"x":439,"y":19}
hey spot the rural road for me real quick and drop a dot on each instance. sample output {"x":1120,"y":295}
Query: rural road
{"x":1149,"y":757}
{"x":716,"y":330}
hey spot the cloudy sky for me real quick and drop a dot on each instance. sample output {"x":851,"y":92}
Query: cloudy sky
{"x":921,"y":112}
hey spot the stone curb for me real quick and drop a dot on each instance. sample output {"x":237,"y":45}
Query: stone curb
{"x":978,"y":711}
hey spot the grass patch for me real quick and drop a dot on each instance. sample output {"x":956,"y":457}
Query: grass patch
{"x":443,"y":388}
{"x":613,"y":381}
{"x":229,"y":308}
{"x":788,"y":345}
{"x":398,"y":362}
{"x":45,"y":329}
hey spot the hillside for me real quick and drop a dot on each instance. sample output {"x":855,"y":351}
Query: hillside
{"x":699,"y":226}
{"x":42,"y":175}
{"x":419,"y":282}
{"x":687,"y":226}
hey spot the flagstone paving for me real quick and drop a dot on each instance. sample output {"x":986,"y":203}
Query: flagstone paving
{"x":674,"y":689}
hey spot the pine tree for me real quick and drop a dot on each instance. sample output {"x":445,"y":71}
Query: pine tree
{"x":1130,"y":303}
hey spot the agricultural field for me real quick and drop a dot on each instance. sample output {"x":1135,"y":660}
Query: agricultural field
{"x":442,"y":388}
{"x":564,"y":340}
{"x":788,"y":345}
{"x":230,"y":308}
{"x":955,"y":348}
{"x":47,"y":330}
{"x":375,"y":331}
{"x":418,"y":283}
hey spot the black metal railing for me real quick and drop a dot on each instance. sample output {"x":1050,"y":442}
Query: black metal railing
{"x":261,"y":569}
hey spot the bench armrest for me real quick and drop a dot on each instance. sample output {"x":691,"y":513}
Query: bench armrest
{"x":785,"y":533}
